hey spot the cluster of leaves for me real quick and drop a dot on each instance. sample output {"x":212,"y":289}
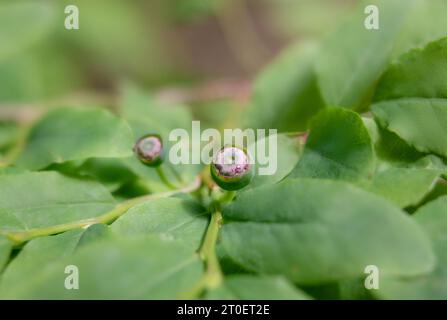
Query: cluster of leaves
{"x":366,"y":187}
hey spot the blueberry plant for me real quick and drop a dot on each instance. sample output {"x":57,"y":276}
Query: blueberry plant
{"x":361,"y":181}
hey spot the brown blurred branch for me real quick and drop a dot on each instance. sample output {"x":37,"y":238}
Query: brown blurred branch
{"x":19,"y":113}
{"x":241,"y":35}
{"x":27,"y":113}
{"x":236,"y":90}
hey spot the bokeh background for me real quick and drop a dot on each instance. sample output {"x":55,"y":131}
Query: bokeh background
{"x":199,"y":52}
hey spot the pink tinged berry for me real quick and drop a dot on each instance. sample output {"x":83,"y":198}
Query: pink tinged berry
{"x":231,"y":168}
{"x":149,"y":149}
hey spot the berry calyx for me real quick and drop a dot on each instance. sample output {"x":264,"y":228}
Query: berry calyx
{"x":232,"y":169}
{"x":149,"y":149}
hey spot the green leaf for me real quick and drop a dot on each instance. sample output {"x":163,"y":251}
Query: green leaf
{"x":146,"y":268}
{"x":36,"y":200}
{"x":248,"y":287}
{"x":286,"y":94}
{"x":39,"y":254}
{"x":411,"y":98}
{"x":5,"y":251}
{"x":338,"y":147}
{"x":433,"y":218}
{"x":403,"y":186}
{"x":392,"y":149}
{"x":353,"y":58}
{"x":76,"y":134}
{"x":171,"y":218}
{"x":111,"y":172}
{"x":287,"y":155}
{"x":35,"y":257}
{"x":22,"y":24}
{"x":419,"y":121}
{"x":417,"y":74}
{"x":438,"y":190}
{"x":317,"y":231}
{"x":403,"y":175}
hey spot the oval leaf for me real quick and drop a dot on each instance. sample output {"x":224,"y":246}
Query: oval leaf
{"x":316,"y":231}
{"x":76,"y":134}
{"x":37,"y":200}
{"x":433,"y":218}
{"x":338,"y":147}
{"x":147,"y":268}
{"x":411,"y":98}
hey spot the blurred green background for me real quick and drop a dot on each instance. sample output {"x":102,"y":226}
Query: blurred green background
{"x":198,"y":52}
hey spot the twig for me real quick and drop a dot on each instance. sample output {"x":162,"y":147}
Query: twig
{"x":19,"y":237}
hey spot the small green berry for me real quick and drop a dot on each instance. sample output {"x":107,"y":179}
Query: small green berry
{"x":149,"y":150}
{"x":231,"y":168}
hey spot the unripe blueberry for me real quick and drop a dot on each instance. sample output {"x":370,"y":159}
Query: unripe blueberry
{"x":149,"y":150}
{"x":231,"y":168}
